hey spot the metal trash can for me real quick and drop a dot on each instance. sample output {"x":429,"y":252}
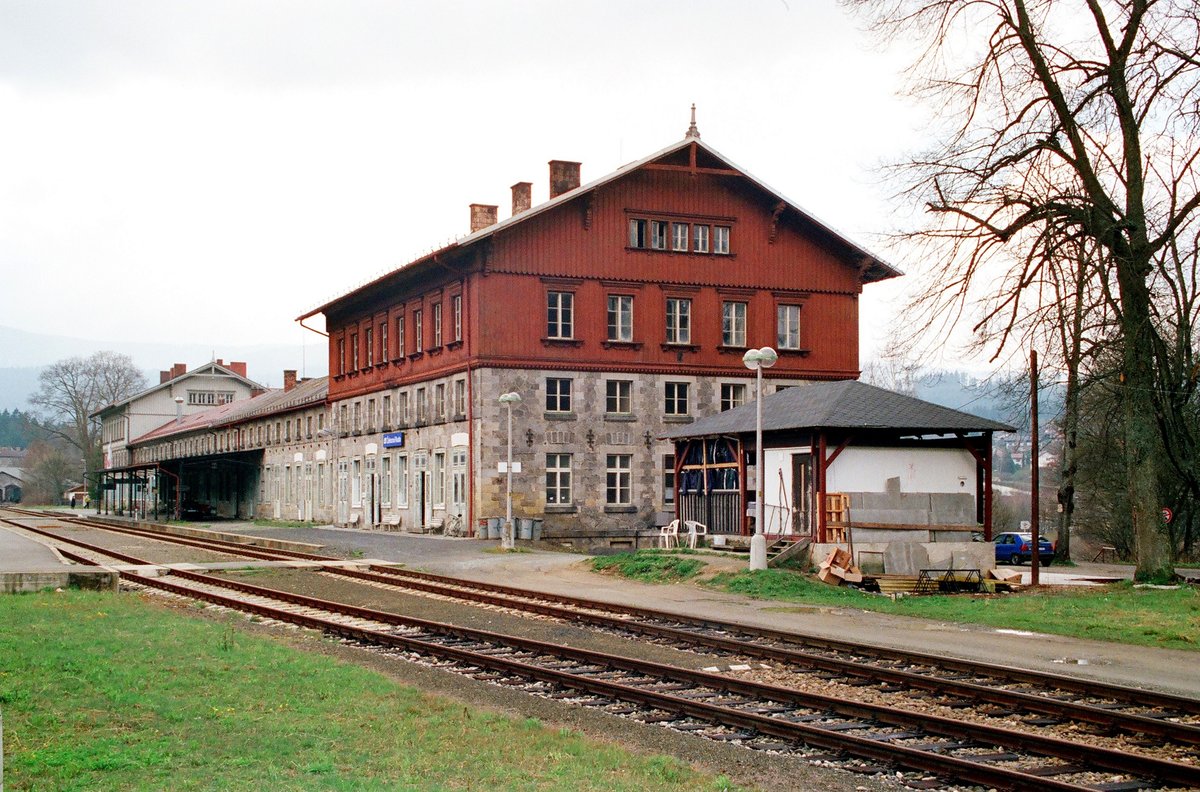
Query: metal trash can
{"x":525,"y":528}
{"x":494,"y":526}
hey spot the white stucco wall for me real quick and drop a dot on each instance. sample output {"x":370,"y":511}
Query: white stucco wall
{"x":867,"y":469}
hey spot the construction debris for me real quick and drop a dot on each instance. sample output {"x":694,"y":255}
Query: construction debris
{"x":838,"y":568}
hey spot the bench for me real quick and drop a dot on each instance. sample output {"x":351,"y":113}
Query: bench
{"x":1105,"y":553}
{"x":391,"y":522}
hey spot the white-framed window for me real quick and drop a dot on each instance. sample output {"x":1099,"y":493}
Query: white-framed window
{"x":699,"y":238}
{"x":356,"y":473}
{"x":320,"y":483}
{"x":383,"y":342}
{"x":343,"y":481}
{"x":721,"y":240}
{"x":209,"y":398}
{"x":385,"y":480}
{"x":679,"y":320}
{"x":437,"y":325}
{"x":681,"y":234}
{"x":422,"y":406}
{"x":733,"y":324}
{"x":437,"y":478}
{"x":439,"y":401}
{"x":370,"y":415}
{"x":618,"y":397}
{"x":676,"y":398}
{"x":387,"y":409}
{"x":558,"y":394}
{"x":558,"y":479}
{"x":418,"y":333}
{"x":341,"y":356}
{"x":402,"y":480}
{"x":456,"y":307}
{"x":733,"y":394}
{"x":637,"y":233}
{"x":458,"y":480}
{"x":400,"y":348}
{"x":788,"y":327}
{"x":460,"y":397}
{"x":560,"y":314}
{"x":658,"y":234}
{"x":620,"y":317}
{"x":402,"y":408}
{"x":668,"y":478}
{"x":354,"y":352}
{"x":618,"y":479}
{"x":369,"y":340}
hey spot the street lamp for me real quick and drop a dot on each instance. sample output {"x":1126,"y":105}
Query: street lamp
{"x":756,"y":360}
{"x":507,"y":541}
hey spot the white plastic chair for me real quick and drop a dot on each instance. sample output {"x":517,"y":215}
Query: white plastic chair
{"x":694,"y":530}
{"x":668,"y":535}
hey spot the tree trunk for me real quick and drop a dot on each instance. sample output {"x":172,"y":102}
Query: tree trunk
{"x":1142,"y":439}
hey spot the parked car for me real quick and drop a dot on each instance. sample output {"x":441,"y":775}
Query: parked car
{"x":194,"y":510}
{"x":1016,"y":548}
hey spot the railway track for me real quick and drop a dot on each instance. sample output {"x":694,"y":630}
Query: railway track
{"x":1041,"y":760}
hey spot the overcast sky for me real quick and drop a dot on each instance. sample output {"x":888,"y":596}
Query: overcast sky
{"x":207,"y":171}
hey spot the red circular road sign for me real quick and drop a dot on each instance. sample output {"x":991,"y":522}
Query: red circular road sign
{"x":1167,"y":515}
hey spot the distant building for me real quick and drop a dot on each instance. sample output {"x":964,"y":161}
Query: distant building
{"x":11,"y":484}
{"x":12,"y":457}
{"x":178,"y":391}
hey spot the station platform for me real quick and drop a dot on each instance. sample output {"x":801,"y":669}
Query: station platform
{"x":27,"y":564}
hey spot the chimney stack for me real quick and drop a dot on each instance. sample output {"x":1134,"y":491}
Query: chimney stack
{"x":163,"y":376}
{"x":238,"y":367}
{"x":564,"y":177}
{"x":178,"y":370}
{"x":483,"y":215}
{"x":289,"y":379}
{"x":522,"y":194}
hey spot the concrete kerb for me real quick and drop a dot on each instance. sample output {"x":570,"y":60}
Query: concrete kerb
{"x":205,"y":533}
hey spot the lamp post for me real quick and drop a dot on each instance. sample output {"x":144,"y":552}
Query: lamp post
{"x":507,"y":540}
{"x":756,"y":360}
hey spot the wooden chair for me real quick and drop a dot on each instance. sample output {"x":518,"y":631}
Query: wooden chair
{"x":695,"y":529}
{"x":668,"y":535}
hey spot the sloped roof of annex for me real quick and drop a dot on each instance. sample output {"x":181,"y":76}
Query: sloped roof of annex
{"x":873,"y":268}
{"x":306,"y":393}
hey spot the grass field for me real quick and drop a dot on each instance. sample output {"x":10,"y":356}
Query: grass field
{"x":105,"y":691}
{"x":1120,"y":613}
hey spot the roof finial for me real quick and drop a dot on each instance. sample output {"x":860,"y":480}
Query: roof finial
{"x":692,"y":132}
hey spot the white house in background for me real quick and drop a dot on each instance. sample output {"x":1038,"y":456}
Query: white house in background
{"x":11,"y":484}
{"x":178,"y":391}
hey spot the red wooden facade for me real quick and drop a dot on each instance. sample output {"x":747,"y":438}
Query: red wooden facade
{"x":490,"y":289}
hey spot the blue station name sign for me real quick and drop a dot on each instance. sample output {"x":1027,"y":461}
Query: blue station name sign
{"x":393,"y":440}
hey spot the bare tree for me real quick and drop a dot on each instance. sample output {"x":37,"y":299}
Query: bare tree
{"x":72,"y":389}
{"x":1061,"y":122}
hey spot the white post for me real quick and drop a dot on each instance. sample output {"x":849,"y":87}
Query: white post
{"x":508,"y":535}
{"x":758,"y":359}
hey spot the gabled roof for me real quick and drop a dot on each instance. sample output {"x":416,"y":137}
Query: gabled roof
{"x":873,"y":268}
{"x":212,"y":367}
{"x":305,"y":394}
{"x":847,"y":404}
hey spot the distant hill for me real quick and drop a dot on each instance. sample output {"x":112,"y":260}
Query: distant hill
{"x":23,"y":354}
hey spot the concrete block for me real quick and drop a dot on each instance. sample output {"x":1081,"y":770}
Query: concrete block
{"x":905,"y":558}
{"x":890,"y":516}
{"x":885,"y":535}
{"x":952,"y":508}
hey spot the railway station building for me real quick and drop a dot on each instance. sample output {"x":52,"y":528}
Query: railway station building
{"x":616,"y":310}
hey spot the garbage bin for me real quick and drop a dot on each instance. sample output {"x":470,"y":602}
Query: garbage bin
{"x":537,"y":530}
{"x":481,"y":528}
{"x":494,"y":525}
{"x":525,"y":529}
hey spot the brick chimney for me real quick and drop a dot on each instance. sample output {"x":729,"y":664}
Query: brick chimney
{"x":163,"y":376}
{"x":289,"y":379}
{"x":178,"y":370}
{"x":257,"y":392}
{"x":522,"y":194}
{"x":237,"y":367}
{"x":564,"y":177}
{"x":483,"y":215}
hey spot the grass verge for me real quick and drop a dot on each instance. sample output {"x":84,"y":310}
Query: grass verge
{"x":651,"y":566}
{"x":1120,"y":613}
{"x":265,"y":523}
{"x":105,"y":691}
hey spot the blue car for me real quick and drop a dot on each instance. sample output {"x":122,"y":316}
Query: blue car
{"x":1016,"y":548}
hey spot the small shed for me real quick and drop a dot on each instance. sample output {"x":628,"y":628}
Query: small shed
{"x":12,"y":480}
{"x":844,"y":462}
